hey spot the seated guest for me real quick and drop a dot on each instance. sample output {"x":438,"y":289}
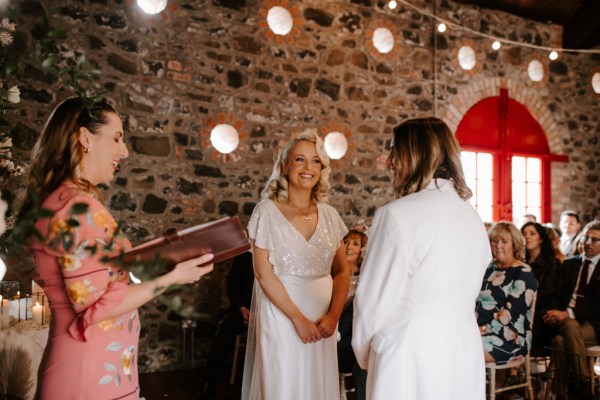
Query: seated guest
{"x":354,"y":240}
{"x":504,"y":303}
{"x":235,"y":322}
{"x":569,"y":225}
{"x":554,"y":235}
{"x":539,"y":255}
{"x":525,"y":218}
{"x":577,"y":317}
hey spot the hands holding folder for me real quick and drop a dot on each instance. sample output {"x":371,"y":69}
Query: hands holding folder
{"x":223,"y":239}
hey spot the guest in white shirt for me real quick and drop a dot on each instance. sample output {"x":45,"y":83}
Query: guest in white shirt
{"x":569,"y":225}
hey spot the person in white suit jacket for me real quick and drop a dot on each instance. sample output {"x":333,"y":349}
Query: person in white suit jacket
{"x":415,"y":329}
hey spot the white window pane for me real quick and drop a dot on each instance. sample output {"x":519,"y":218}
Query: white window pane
{"x":534,"y":170}
{"x":535,"y":211}
{"x":469,"y":164}
{"x":518,"y":195}
{"x":517,"y":214}
{"x":518,"y":169}
{"x":484,"y":166}
{"x":484,"y":193}
{"x":472,"y":201}
{"x":485,"y":213}
{"x":534,"y":195}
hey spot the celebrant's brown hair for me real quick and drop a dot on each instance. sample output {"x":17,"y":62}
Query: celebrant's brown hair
{"x":56,"y":157}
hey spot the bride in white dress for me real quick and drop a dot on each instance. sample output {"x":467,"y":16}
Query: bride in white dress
{"x":303,"y":278}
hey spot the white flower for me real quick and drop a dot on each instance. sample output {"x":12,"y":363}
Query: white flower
{"x":6,"y":24}
{"x":14,"y":95}
{"x":5,"y":38}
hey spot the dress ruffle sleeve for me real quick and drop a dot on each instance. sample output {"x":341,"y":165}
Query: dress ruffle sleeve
{"x":80,"y":241}
{"x":259,"y":227}
{"x":337,"y":224}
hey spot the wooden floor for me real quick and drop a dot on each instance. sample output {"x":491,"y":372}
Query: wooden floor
{"x":182,"y":385}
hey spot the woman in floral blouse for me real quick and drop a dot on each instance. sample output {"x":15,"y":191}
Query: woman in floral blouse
{"x":504,"y":312}
{"x":93,"y":344}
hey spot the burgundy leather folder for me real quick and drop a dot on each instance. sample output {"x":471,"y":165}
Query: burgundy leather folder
{"x":225,"y":238}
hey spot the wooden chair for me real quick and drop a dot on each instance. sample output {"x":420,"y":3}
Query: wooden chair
{"x":493,"y":367}
{"x":591,"y":354}
{"x":240,"y":345}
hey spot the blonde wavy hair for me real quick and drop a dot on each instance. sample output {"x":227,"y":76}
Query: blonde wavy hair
{"x":56,"y":157}
{"x":277,"y":186}
{"x":424,"y":149}
{"x":515,"y":235}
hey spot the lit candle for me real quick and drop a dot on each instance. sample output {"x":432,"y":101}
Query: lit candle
{"x":22,"y":309}
{"x":5,"y":313}
{"x":37,"y":314}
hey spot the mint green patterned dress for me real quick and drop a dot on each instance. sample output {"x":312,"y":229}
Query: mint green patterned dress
{"x":504,"y":311}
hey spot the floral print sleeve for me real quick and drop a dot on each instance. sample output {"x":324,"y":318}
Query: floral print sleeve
{"x":80,"y":241}
{"x":504,"y":311}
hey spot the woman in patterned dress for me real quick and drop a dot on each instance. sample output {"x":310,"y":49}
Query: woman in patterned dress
{"x":303,"y":278}
{"x":504,"y":312}
{"x":93,"y":343}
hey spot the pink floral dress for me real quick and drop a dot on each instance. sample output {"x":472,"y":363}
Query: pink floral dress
{"x":87,"y":356}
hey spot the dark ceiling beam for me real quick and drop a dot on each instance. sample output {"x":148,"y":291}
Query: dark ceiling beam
{"x":583,"y":29}
{"x":579,"y":18}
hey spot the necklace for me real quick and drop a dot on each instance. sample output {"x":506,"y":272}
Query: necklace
{"x":306,"y":217}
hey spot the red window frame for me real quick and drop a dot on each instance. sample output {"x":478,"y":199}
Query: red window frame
{"x":505,"y":128}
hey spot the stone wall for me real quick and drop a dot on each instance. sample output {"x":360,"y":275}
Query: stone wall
{"x":173,"y":75}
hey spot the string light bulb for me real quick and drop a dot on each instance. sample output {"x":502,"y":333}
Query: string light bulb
{"x":441,"y":27}
{"x":496,"y":45}
{"x":553,"y":55}
{"x":392,"y":5}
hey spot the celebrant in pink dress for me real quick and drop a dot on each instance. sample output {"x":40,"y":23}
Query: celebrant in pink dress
{"x":92,"y":349}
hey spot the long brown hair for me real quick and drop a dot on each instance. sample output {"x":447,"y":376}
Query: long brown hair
{"x":57,"y":154}
{"x":424,"y":149}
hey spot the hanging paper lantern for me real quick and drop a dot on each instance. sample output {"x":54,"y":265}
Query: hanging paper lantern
{"x":596,"y":82}
{"x":152,"y":6}
{"x":336,"y":145}
{"x":280,"y":20}
{"x":224,"y":138}
{"x":467,"y":58}
{"x":535,"y":70}
{"x":383,"y":40}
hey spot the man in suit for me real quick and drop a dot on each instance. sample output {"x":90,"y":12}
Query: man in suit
{"x":577,"y":315}
{"x":235,"y":322}
{"x":569,"y":225}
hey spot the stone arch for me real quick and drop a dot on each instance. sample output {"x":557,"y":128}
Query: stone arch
{"x":490,"y":87}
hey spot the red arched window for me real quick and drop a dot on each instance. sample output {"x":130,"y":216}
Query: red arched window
{"x":506,"y":159}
